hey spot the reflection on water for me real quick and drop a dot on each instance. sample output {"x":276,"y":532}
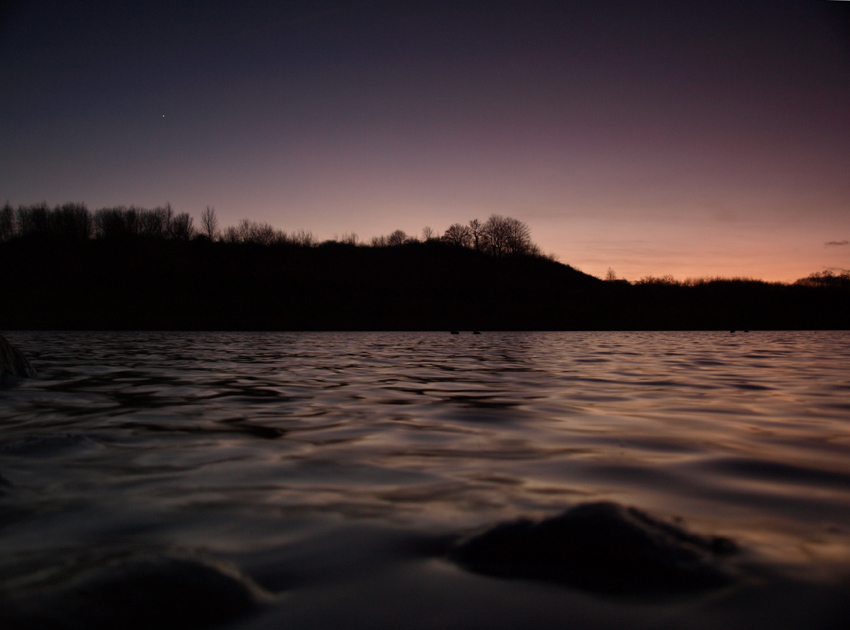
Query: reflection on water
{"x":248,"y":447}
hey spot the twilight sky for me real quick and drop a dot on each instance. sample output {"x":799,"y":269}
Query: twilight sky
{"x":697,"y":138}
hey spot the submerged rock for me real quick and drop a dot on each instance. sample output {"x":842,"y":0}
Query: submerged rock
{"x":140,"y":593}
{"x":13,"y":364}
{"x":602,"y":547}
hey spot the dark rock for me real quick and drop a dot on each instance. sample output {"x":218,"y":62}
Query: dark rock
{"x":13,"y":364}
{"x":602,"y":547}
{"x":141,"y":593}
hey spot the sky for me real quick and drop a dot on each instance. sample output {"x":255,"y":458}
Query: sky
{"x":686,"y":138}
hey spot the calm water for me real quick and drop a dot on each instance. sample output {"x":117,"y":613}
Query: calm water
{"x":317,"y":480}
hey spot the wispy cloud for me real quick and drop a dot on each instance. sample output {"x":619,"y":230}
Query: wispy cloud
{"x":837,"y":243}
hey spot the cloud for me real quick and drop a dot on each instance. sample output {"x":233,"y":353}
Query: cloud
{"x":837,"y":243}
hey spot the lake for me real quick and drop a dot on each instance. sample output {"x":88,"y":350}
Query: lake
{"x":327,"y":480}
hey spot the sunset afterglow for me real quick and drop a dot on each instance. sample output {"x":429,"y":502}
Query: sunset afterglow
{"x":692,"y":139}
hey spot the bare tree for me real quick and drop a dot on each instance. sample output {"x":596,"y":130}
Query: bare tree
{"x":476,"y":233}
{"x":458,"y":234}
{"x":304,"y":238}
{"x":155,"y":223}
{"x":665,"y":280}
{"x":7,"y":222}
{"x":427,"y":234}
{"x":133,"y":220}
{"x":231,"y":235}
{"x":519,"y":237}
{"x":507,"y":236}
{"x":209,"y":223}
{"x":398,"y":237}
{"x":257,"y":233}
{"x":495,"y":232}
{"x":826,"y":278}
{"x":33,"y":220}
{"x":181,"y":227}
{"x":118,"y":222}
{"x":246,"y":231}
{"x":72,"y":221}
{"x":610,"y":276}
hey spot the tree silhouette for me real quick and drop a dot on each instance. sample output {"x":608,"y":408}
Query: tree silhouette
{"x":458,"y":235}
{"x":72,"y":221}
{"x":399,"y":237}
{"x":505,"y":236}
{"x":181,"y":227}
{"x":209,"y":223}
{"x":304,"y":238}
{"x":274,"y":280}
{"x":254,"y":232}
{"x":115,"y":223}
{"x":7,"y":222}
{"x":156,"y":223}
{"x":826,"y":278}
{"x":476,"y":232}
{"x":518,"y":239}
{"x":33,"y":220}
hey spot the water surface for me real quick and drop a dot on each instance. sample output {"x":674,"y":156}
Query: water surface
{"x":318,"y":479}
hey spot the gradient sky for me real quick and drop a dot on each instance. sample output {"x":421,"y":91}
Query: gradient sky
{"x":686,"y":138}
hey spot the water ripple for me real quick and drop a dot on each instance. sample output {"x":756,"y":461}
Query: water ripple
{"x":234,"y":438}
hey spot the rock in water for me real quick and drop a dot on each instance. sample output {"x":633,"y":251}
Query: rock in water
{"x":138,"y":594}
{"x":13,"y":364}
{"x":602,"y":547}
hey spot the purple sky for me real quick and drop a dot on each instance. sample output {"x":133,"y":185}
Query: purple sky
{"x":686,"y":138}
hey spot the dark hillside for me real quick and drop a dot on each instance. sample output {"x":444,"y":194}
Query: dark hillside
{"x":137,"y":283}
{"x":138,"y":268}
{"x":140,"y":284}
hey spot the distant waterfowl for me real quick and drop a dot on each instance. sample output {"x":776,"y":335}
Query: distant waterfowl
{"x":455,"y":332}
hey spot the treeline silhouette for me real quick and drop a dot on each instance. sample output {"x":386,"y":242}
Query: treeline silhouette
{"x":136,"y":268}
{"x":498,"y":236}
{"x":74,"y":222}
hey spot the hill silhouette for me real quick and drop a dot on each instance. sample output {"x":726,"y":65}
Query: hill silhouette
{"x":137,"y":269}
{"x":200,"y":285}
{"x":203,"y":285}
